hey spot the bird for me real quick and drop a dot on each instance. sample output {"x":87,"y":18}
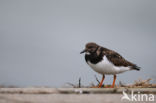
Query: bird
{"x":106,"y":62}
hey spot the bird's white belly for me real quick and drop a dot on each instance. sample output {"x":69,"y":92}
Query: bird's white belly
{"x":106,"y":67}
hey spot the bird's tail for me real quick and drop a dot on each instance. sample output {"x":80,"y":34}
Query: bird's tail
{"x":135,"y":67}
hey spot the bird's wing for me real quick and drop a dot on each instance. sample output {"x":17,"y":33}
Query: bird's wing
{"x":117,"y":59}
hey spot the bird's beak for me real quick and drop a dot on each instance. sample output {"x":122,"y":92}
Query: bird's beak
{"x":83,"y":51}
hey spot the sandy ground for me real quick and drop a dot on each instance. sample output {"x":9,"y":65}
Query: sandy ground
{"x":60,"y":98}
{"x":65,"y":95}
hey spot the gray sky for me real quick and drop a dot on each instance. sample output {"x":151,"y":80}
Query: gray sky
{"x":40,"y":41}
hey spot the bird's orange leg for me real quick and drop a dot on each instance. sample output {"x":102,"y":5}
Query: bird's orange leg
{"x":100,"y":85}
{"x":113,"y":82}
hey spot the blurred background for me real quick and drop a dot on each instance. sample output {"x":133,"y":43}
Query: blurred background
{"x":41,"y":40}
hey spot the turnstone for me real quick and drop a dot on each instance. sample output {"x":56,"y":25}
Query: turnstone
{"x":106,"y":61}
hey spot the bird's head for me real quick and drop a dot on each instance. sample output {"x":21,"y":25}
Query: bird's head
{"x":90,"y":48}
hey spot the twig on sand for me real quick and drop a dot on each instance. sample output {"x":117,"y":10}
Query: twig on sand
{"x":80,"y":82}
{"x":97,"y":79}
{"x":121,"y":84}
{"x":139,"y":83}
{"x":75,"y":85}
